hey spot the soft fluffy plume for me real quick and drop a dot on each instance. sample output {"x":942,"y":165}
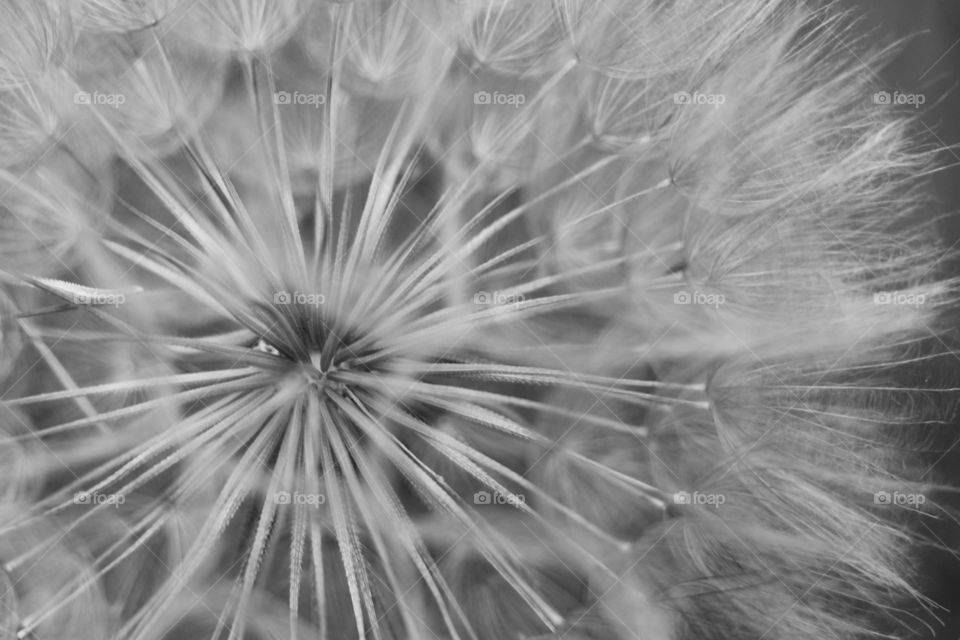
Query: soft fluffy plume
{"x":478,"y":320}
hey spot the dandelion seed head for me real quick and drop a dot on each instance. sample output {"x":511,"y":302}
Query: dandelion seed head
{"x":517,"y":38}
{"x":152,"y":97}
{"x":384,"y":319}
{"x":395,"y":48}
{"x":627,"y":115}
{"x":30,"y":121}
{"x":243,"y":27}
{"x":49,"y":214}
{"x":34,"y":37}
{"x":120,"y":16}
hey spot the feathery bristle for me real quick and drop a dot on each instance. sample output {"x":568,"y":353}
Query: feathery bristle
{"x":468,"y":320}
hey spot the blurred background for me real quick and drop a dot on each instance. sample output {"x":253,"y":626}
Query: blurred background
{"x":929,"y":64}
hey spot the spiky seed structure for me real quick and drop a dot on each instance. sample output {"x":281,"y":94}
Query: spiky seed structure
{"x":457,"y":319}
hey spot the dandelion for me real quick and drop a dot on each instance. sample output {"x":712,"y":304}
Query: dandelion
{"x":120,"y":16}
{"x":30,"y":124}
{"x":512,"y":37}
{"x":35,"y":37}
{"x":243,"y":27}
{"x":392,"y":48}
{"x":152,"y":97}
{"x":50,"y":214}
{"x":467,"y":320}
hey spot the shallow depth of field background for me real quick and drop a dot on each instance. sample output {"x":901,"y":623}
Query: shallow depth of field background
{"x":930,"y":64}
